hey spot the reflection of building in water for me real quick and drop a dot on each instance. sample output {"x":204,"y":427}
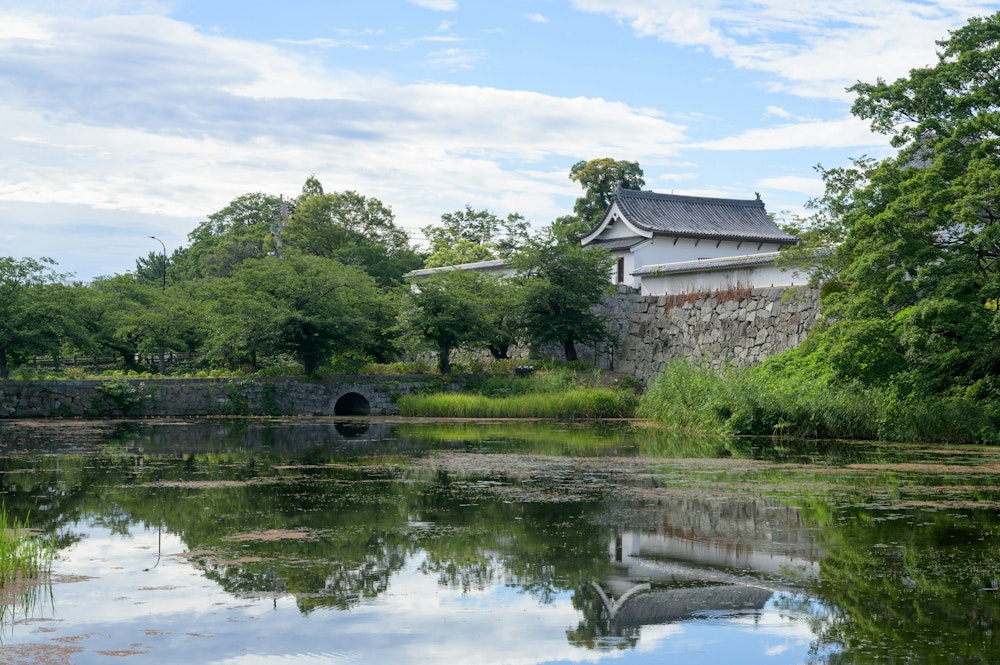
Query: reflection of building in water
{"x":700,"y":557}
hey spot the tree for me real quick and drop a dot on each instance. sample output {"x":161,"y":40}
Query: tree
{"x":920,"y":257}
{"x":599,"y":179}
{"x":448,"y":311}
{"x":237,"y":233}
{"x":562,"y":284}
{"x":32,"y":316}
{"x":469,"y":235}
{"x":306,"y":306}
{"x":354,"y":230}
{"x":130,"y":317}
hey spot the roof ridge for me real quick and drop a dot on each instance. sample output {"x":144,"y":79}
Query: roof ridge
{"x":649,"y":194}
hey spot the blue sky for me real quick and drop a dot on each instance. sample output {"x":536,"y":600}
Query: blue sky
{"x":121,"y":119}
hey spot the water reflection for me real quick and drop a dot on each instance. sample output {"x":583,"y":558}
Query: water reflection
{"x":417,"y":543}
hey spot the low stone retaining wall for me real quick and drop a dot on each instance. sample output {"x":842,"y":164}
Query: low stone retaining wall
{"x":345,"y":395}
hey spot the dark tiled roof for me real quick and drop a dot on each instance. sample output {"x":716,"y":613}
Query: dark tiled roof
{"x":492,"y":264}
{"x":618,"y":243}
{"x":708,"y":264}
{"x":695,"y":216}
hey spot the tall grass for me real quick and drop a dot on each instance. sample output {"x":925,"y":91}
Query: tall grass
{"x":568,"y":404}
{"x":761,"y":401}
{"x":22,"y":554}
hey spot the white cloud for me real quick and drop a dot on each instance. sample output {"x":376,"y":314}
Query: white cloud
{"x":777,"y":112}
{"x":793,"y":183}
{"x":437,"y":5}
{"x":535,"y":18}
{"x":455,"y":58}
{"x":846,"y":132}
{"x":814,"y":48}
{"x":122,"y":113}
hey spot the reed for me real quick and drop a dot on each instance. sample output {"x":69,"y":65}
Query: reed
{"x":759,"y":402}
{"x":577,"y":403}
{"x":22,"y":554}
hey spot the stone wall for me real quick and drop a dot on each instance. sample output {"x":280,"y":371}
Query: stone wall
{"x":346,"y":395}
{"x":737,"y":327}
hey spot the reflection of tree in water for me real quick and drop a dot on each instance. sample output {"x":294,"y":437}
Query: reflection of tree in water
{"x":891,"y":585}
{"x":597,"y":628}
{"x":464,"y":576}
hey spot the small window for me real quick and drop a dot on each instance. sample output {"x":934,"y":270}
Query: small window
{"x":621,"y":270}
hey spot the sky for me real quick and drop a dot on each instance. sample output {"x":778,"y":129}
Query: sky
{"x":125,"y":119}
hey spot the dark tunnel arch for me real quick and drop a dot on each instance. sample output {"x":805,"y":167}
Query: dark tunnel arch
{"x":352,"y":404}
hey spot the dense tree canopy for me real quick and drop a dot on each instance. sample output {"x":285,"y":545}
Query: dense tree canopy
{"x":354,"y":230}
{"x":599,"y":179}
{"x":306,"y":306}
{"x":913,"y":282}
{"x":469,"y":235}
{"x":238,"y":232}
{"x":449,"y":310}
{"x":562,"y":284}
{"x":33,"y":312}
{"x":270,"y":280}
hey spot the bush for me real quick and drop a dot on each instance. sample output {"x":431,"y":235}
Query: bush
{"x":397,"y":368}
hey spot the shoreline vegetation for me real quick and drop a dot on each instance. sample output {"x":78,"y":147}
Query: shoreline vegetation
{"x":569,"y":392}
{"x":774,"y":399}
{"x":771,"y":400}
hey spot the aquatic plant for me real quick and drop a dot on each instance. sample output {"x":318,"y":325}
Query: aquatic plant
{"x":22,"y":554}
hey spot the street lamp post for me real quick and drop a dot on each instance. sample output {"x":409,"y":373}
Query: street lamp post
{"x":163,"y":287}
{"x":163,"y":284}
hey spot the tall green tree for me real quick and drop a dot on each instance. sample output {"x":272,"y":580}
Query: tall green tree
{"x":308,"y":307}
{"x":469,"y":235}
{"x":354,"y":230}
{"x":33,"y":316}
{"x":563,"y":282}
{"x":918,"y":270}
{"x":236,"y":233}
{"x":447,"y":311}
{"x":599,"y":179}
{"x":130,"y":317}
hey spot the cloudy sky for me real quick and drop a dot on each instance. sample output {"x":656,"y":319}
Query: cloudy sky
{"x":122,"y":119}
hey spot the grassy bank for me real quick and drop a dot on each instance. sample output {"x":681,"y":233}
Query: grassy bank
{"x":576,"y":403}
{"x":762,"y":401}
{"x":561,"y":393}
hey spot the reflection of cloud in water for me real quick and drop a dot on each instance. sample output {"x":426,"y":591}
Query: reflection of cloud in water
{"x":176,"y":615}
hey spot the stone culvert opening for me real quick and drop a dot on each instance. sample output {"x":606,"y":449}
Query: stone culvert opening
{"x":352,"y":404}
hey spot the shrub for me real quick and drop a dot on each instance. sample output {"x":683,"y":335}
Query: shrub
{"x":123,"y":393}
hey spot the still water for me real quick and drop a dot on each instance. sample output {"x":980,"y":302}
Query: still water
{"x":315,"y":541}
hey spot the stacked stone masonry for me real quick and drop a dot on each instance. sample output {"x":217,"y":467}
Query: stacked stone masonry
{"x":738,"y":327}
{"x":206,"y":397}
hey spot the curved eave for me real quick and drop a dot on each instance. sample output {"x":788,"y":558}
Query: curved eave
{"x":613,"y":215}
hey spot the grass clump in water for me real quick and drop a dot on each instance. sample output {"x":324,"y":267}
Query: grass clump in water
{"x":22,"y":554}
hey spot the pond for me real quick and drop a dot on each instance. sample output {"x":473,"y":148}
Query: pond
{"x":392,"y":541}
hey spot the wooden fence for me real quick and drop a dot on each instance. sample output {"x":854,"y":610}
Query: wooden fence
{"x":113,"y":360}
